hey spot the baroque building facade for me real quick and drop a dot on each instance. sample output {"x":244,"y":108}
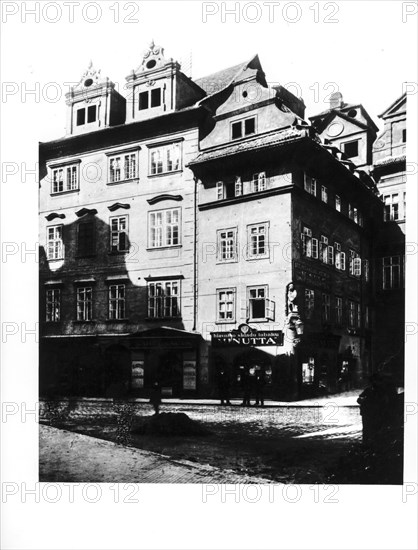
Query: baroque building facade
{"x":197,"y":226}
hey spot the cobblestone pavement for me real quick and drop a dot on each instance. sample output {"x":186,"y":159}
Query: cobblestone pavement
{"x":70,"y":457}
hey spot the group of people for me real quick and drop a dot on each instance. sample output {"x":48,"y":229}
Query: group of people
{"x":252,"y":381}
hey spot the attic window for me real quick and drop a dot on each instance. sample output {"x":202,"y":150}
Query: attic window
{"x":91,"y":113}
{"x":243,"y":128}
{"x":88,"y":82}
{"x":351,"y":148}
{"x":81,"y":117}
{"x":156,"y":97}
{"x":151,"y":64}
{"x":352,"y":113}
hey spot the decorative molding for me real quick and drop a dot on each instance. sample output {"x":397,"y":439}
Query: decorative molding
{"x":163,"y":278}
{"x":85,"y":211}
{"x":164,"y":197}
{"x":54,"y":215}
{"x":118,"y":205}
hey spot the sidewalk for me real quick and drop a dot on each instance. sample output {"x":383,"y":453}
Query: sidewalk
{"x":70,"y":457}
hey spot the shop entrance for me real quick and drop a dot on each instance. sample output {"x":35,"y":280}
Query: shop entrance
{"x":170,"y":372}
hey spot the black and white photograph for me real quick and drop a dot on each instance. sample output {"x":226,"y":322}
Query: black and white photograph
{"x":209,"y":274}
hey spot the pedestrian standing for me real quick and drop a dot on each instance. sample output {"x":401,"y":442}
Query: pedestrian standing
{"x":246,"y":387}
{"x":260,"y":380}
{"x":155,"y":398}
{"x":224,"y":384}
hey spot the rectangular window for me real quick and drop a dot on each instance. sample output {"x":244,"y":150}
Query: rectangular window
{"x":122,"y":167}
{"x":350,"y":211}
{"x":143,"y":101}
{"x":119,"y":234}
{"x":92,"y":113}
{"x":85,"y":239}
{"x":326,"y":308}
{"x":163,"y":299}
{"x":309,"y":303}
{"x":324,"y":249}
{"x":53,"y":305}
{"x":352,"y":317}
{"x":310,"y":185}
{"x":156,"y":97}
{"x":350,"y":148}
{"x":338,"y":203}
{"x":354,"y":265}
{"x":259,"y":182}
{"x":166,"y":158}
{"x":238,"y":186}
{"x":391,"y":208}
{"x":258,"y":240}
{"x":226,"y":305}
{"x":81,"y":117}
{"x":260,"y":308}
{"x":324,"y":194}
{"x":307,"y":242}
{"x":227,"y":245}
{"x":391,"y":272}
{"x":219,"y":190}
{"x":54,"y":243}
{"x":242,"y":128}
{"x":164,"y":228}
{"x":65,"y":179}
{"x":339,"y":311}
{"x":84,"y":303}
{"x":116,"y":302}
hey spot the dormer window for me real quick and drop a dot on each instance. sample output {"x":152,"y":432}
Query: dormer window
{"x":149,"y":99}
{"x":91,"y":115}
{"x":243,"y":128}
{"x":351,"y":148}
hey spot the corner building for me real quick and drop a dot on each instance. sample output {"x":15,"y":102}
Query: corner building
{"x":192,"y":227}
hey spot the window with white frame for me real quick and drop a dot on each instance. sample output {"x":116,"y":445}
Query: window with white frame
{"x":164,"y":228}
{"x":65,"y":178}
{"x":259,"y":182}
{"x":117,"y":294}
{"x":352,"y":317}
{"x":350,"y":211}
{"x":309,"y":303}
{"x":339,"y":257}
{"x":90,"y":111}
{"x":326,"y":308}
{"x":310,"y":185}
{"x":119,"y":234}
{"x":238,"y":186}
{"x":257,"y":235}
{"x":227,"y":245}
{"x":354,"y":264}
{"x":391,"y":208}
{"x":243,"y":128}
{"x":53,"y":305}
{"x":149,"y":99}
{"x":338,"y":203}
{"x":226,"y":305}
{"x":84,"y":303}
{"x":165,"y":159}
{"x":324,"y":249}
{"x":306,"y":237}
{"x":338,"y":311}
{"x":260,"y":308}
{"x":163,"y":299}
{"x":54,"y":244}
{"x":391,"y":272}
{"x":122,"y":167}
{"x":324,"y":194}
{"x":220,"y":190}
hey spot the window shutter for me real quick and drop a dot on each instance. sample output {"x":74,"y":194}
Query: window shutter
{"x":315,"y":248}
{"x":357,"y":267}
{"x":338,"y":259}
{"x":331,"y":255}
{"x":342,"y":261}
{"x":270,"y":309}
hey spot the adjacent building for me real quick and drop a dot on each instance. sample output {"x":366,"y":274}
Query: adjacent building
{"x":199,"y":226}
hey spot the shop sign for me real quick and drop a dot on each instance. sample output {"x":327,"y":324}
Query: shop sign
{"x":244,"y":335}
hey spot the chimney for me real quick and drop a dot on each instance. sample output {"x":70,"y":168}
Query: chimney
{"x":336,"y":100}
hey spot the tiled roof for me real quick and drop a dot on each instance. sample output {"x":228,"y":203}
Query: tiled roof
{"x":390,"y":160}
{"x":259,"y":142}
{"x":218,"y":81}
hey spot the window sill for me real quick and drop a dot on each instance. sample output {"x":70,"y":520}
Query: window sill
{"x":221,"y":262}
{"x":129,"y":180}
{"x":166,"y":173}
{"x":82,"y":322}
{"x":67,"y":192}
{"x":261,"y":257}
{"x":122,"y":320}
{"x":228,"y":322}
{"x":55,"y":259}
{"x":168,"y":247}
